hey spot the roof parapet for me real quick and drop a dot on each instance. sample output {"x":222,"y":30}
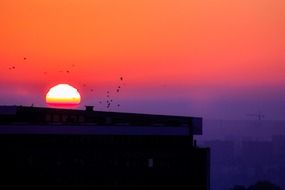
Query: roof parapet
{"x":89,"y":108}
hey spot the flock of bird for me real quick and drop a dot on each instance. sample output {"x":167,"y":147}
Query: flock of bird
{"x":117,"y":90}
{"x":13,"y":67}
{"x":109,"y":100}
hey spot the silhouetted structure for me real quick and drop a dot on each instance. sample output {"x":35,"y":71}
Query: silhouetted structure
{"x":86,"y":149}
{"x":260,"y":185}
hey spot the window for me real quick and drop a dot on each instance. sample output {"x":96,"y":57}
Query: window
{"x":150,"y":162}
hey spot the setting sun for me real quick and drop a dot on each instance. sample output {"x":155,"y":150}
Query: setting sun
{"x":63,"y":95}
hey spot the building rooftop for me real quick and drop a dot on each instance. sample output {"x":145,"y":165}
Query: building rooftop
{"x":40,"y":120}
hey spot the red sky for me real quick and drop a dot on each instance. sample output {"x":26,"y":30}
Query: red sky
{"x":200,"y":57}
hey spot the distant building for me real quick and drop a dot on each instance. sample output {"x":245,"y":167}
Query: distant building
{"x":86,"y":149}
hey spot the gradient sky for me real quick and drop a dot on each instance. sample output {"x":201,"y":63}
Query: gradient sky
{"x":210,"y":58}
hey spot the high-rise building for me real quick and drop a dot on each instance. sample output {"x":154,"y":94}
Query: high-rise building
{"x":86,"y":149}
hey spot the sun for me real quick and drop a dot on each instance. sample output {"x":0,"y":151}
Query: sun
{"x":63,"y":95}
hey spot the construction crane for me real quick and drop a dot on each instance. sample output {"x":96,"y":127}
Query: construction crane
{"x":258,"y":115}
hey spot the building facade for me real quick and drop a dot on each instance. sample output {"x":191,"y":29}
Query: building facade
{"x":86,"y":149}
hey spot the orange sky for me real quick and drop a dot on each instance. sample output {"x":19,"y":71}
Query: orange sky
{"x":180,"y":44}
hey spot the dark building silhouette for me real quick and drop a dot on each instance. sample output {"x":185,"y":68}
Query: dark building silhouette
{"x":85,"y":149}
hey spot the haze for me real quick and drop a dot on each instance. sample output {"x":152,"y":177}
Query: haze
{"x":215,"y":59}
